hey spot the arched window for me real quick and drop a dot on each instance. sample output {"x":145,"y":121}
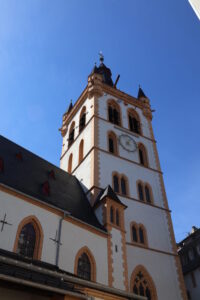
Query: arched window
{"x":134,"y":233}
{"x":134,"y":121}
{"x":111,"y":215}
{"x":112,"y":143}
{"x":29,"y":238}
{"x":141,"y":235}
{"x":82,"y":119}
{"x":147,"y":194}
{"x":114,"y":112}
{"x":140,"y":191}
{"x":117,"y":218}
{"x":116,"y":183}
{"x":71,"y":134}
{"x":81,"y":151}
{"x":70,"y":163}
{"x":26,"y":242}
{"x":123,"y":186}
{"x":142,"y":283}
{"x":142,"y":155}
{"x":84,"y":267}
{"x":138,"y":233}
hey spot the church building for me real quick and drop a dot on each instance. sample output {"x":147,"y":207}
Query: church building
{"x":98,"y":227}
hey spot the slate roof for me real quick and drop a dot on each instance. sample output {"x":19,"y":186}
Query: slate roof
{"x":36,"y":177}
{"x":108,"y":192}
{"x":105,"y":72}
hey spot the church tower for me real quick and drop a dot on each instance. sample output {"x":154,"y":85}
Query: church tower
{"x":109,"y":145}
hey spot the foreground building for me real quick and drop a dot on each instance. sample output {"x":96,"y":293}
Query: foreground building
{"x":189,"y":252}
{"x":99,"y":226}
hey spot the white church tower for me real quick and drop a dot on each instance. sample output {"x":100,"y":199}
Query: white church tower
{"x":109,"y":145}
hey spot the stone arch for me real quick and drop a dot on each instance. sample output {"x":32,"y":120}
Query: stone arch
{"x":114,"y":108}
{"x":141,"y":271}
{"x":134,"y":122}
{"x":39,"y":235}
{"x":89,"y":254}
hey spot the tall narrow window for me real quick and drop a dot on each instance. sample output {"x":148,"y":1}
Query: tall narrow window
{"x":117,"y":217}
{"x":142,"y":155}
{"x":111,"y":215}
{"x":140,"y":192}
{"x":27,"y":241}
{"x":71,"y":134}
{"x":123,"y":186}
{"x":116,"y":183}
{"x":70,"y":163}
{"x":82,"y":119}
{"x":114,"y":112}
{"x":147,"y":194}
{"x":134,"y":121}
{"x":141,"y":235}
{"x":112,"y":143}
{"x":81,"y":149}
{"x":134,"y":234}
{"x":84,"y":267}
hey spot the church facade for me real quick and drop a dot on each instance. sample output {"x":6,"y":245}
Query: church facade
{"x":100,"y":223}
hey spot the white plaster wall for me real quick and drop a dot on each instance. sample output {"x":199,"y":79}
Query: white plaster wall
{"x":133,"y":156}
{"x":117,"y":259}
{"x":194,"y":291}
{"x":89,"y":104}
{"x":153,"y":219}
{"x":16,"y":210}
{"x":103,"y":113}
{"x":160,"y":266}
{"x":73,"y":237}
{"x":110,"y":163}
{"x":86,"y":135}
{"x":83,"y":173}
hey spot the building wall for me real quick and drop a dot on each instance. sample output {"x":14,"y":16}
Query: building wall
{"x":73,"y":237}
{"x":161,"y":267}
{"x":193,"y":287}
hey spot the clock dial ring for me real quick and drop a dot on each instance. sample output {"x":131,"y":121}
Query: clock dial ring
{"x":127,"y":143}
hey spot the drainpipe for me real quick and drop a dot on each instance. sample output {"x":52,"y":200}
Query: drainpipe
{"x":65,"y":213}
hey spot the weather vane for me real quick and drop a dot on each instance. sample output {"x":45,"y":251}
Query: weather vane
{"x":101,"y":57}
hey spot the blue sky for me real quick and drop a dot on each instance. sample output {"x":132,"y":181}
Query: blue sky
{"x":48,"y":48}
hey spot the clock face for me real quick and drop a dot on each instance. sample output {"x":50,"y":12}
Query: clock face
{"x":127,"y":143}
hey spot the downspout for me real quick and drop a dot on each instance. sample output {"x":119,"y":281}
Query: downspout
{"x":65,"y":213}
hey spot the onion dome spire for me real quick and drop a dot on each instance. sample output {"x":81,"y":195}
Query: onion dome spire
{"x":103,"y":70}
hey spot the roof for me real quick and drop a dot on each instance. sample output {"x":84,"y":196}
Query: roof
{"x":28,"y":173}
{"x":105,"y":72}
{"x":15,"y":270}
{"x":141,"y":94}
{"x":108,"y":192}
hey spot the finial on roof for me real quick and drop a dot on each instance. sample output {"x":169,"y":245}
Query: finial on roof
{"x":141,"y":94}
{"x":101,"y":57}
{"x":70,"y":106}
